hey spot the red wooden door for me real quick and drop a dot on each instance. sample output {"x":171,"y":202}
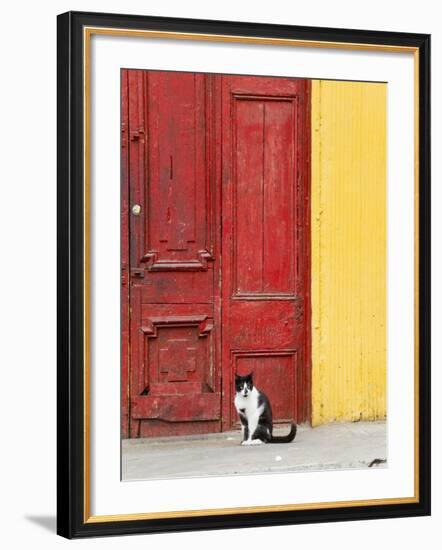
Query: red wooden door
{"x":214,"y":235}
{"x":173,"y":357}
{"x":265,"y":281}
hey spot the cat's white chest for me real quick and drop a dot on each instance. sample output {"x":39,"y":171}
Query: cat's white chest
{"x":248,"y":406}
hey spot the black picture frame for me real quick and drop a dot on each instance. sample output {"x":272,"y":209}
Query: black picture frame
{"x":72,"y":521}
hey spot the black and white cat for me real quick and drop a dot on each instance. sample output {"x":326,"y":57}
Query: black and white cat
{"x":255,"y":414}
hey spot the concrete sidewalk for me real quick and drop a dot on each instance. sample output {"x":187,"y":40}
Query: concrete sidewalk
{"x":328,"y":447}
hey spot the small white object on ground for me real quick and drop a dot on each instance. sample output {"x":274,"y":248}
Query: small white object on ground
{"x":278,"y":458}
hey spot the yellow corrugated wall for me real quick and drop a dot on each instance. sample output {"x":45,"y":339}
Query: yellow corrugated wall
{"x":348,"y":251}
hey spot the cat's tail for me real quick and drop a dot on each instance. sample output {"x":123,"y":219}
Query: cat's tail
{"x":285,"y":438}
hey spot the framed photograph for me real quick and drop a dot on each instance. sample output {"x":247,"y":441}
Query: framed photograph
{"x":243,"y":274}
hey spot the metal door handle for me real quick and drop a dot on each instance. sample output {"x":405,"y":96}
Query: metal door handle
{"x":136,"y":209}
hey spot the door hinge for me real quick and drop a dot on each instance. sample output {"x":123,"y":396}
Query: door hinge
{"x":123,"y":275}
{"x":123,"y":135}
{"x":138,"y":273}
{"x":136,"y":134}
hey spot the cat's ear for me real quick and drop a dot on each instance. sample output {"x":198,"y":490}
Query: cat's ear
{"x":250,"y":376}
{"x":237,"y":377}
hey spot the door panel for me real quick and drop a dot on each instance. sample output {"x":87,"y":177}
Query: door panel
{"x":171,"y":146}
{"x":177,"y":228}
{"x":264,"y":268}
{"x":262,"y":157}
{"x":174,"y":361}
{"x":217,"y":169}
{"x":275,"y":371}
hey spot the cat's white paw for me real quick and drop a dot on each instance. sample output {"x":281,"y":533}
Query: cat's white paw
{"x":255,"y":442}
{"x":245,"y":442}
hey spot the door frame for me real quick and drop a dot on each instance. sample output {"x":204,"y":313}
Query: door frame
{"x":124,"y":259}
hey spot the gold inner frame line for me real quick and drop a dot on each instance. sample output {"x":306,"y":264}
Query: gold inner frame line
{"x":87,"y":33}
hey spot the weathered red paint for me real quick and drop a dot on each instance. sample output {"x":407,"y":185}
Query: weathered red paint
{"x":215,"y":267}
{"x":263,"y":212}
